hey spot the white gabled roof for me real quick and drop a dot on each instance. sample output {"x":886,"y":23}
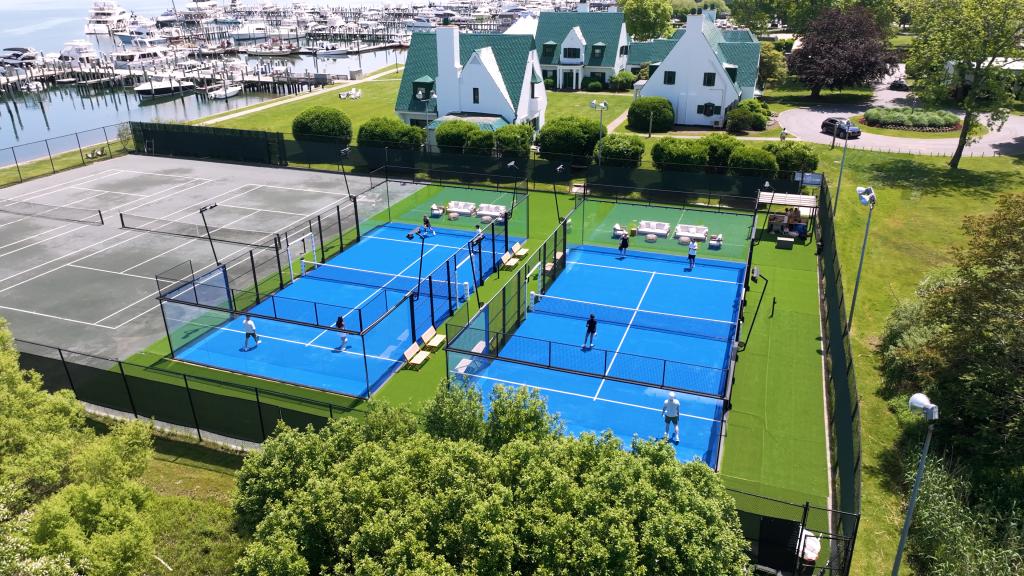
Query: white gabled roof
{"x":485,"y":58}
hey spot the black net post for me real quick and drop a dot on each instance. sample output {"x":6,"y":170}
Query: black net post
{"x":277,"y":254}
{"x":323,"y":243}
{"x":448,"y":277}
{"x":259,"y":413}
{"x":127,"y":391}
{"x":494,"y":251}
{"x":64,"y":363}
{"x":355,"y":209}
{"x":430,"y":292}
{"x":255,"y":280}
{"x":341,"y":231}
{"x":412,"y":324}
{"x":479,"y":262}
{"x":192,"y":406}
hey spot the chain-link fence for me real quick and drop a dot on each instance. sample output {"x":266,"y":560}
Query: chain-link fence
{"x":45,"y":157}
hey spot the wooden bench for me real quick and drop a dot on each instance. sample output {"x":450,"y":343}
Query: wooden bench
{"x":432,"y":340}
{"x":509,"y":261}
{"x":518,"y":251}
{"x":414,"y":357}
{"x":784,"y":242}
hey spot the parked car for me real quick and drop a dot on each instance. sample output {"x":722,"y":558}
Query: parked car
{"x":840,"y":127}
{"x":899,"y":84}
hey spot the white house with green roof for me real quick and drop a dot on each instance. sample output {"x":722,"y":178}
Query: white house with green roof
{"x":577,"y":47}
{"x":490,"y":79}
{"x":707,"y":72}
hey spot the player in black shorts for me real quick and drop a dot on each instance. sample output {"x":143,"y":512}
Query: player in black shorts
{"x":591,"y":332}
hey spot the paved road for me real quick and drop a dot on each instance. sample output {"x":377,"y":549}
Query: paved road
{"x":805,"y":124}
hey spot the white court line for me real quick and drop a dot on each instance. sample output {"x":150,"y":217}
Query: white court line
{"x":632,"y":309}
{"x":61,"y":185}
{"x":52,"y":260}
{"x":587,"y":396}
{"x":261,"y":210}
{"x":108,"y":191}
{"x":412,"y":242}
{"x":56,"y":317}
{"x":304,"y":190}
{"x":624,"y":334}
{"x":108,"y":271}
{"x":668,"y":274}
{"x":318,"y":346}
{"x":21,"y":198}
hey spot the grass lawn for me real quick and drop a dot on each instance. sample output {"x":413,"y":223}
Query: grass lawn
{"x":921,"y":204}
{"x":378,"y":100}
{"x":578,"y":104}
{"x":902,"y":40}
{"x":792,"y":94}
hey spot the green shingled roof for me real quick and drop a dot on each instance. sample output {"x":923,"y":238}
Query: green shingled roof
{"x":741,"y":35}
{"x":596,"y":27}
{"x":652,"y":51}
{"x":512,"y":51}
{"x":745,"y":55}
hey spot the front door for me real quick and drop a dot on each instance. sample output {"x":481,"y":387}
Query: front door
{"x":567,"y":83}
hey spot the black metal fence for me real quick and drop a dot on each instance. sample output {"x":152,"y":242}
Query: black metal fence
{"x":45,"y":157}
{"x":203,"y":142}
{"x":210,"y":409}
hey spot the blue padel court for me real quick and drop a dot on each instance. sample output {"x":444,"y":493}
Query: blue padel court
{"x":660,"y":323}
{"x":366,"y":284}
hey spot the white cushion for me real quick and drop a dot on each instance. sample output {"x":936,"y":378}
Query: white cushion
{"x":698,"y":232}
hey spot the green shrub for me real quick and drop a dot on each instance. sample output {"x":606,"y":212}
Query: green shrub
{"x":739,"y":120}
{"x":514,"y":140}
{"x":910,"y":118}
{"x":323,"y":122}
{"x":720,"y":147}
{"x":569,"y":137}
{"x":594,"y":86}
{"x":756,"y":106}
{"x":753,"y":161}
{"x":873,"y":115}
{"x":390,"y":132}
{"x":549,"y":83}
{"x":452,"y":135}
{"x":651,"y":111}
{"x":623,"y":80}
{"x":621,"y":150}
{"x":793,"y":156}
{"x":681,"y":155}
{"x":480,"y":143}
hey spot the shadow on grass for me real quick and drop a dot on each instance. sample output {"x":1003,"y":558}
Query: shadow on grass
{"x":940,"y":180}
{"x":184,"y":451}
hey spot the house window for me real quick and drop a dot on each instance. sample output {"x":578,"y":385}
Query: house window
{"x":670,"y":77}
{"x":709,"y":78}
{"x":708,"y":109}
{"x":533,"y":90}
{"x":624,"y":50}
{"x":476,"y":95}
{"x":570,"y":53}
{"x":549,"y":50}
{"x":597,"y":53}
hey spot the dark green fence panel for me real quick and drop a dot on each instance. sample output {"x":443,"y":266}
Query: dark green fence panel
{"x":98,"y":381}
{"x":270,"y":414}
{"x":161,"y":401}
{"x":204,"y":142}
{"x":47,"y":363}
{"x":231,"y":416}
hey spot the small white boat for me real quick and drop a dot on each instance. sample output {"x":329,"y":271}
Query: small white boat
{"x":24,"y":57}
{"x":159,"y":88}
{"x":331,"y":50}
{"x":225,"y":92}
{"x":272,"y":50}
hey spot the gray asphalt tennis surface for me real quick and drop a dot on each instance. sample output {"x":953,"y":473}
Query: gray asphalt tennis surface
{"x":91,"y":288}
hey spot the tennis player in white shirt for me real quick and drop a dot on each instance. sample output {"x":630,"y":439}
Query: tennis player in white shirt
{"x":250,"y":331}
{"x":670,"y":410}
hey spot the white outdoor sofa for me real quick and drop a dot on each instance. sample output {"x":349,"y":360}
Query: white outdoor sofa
{"x":657,"y":228}
{"x":694,"y":232}
{"x":495,"y":211}
{"x":461,"y":208}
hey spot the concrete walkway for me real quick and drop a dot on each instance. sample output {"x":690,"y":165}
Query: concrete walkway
{"x":297,"y":97}
{"x":805,"y":124}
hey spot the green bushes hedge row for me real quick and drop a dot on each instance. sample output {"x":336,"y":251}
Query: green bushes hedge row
{"x":722,"y":153}
{"x":910,"y":118}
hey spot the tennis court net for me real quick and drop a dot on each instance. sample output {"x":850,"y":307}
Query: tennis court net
{"x":198,"y":230}
{"x":394,"y":282}
{"x":66,"y":213}
{"x":621,"y":315}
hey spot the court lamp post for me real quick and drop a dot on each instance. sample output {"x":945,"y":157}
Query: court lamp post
{"x":202,"y":213}
{"x":842,"y":164}
{"x":342,"y":154}
{"x":554,"y":191}
{"x":600,"y":107}
{"x":417,"y":231}
{"x":918,"y":403}
{"x":867,"y":198}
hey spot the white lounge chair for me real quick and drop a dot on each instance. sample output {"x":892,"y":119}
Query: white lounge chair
{"x":618,"y":231}
{"x":690,"y":231}
{"x":650,"y":227}
{"x":414,"y":357}
{"x":716,"y":240}
{"x":518,"y":250}
{"x":461,"y":208}
{"x":508,"y":260}
{"x":432,"y":340}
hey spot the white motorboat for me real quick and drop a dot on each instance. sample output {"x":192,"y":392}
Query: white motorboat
{"x":251,"y":31}
{"x":274,"y":49}
{"x":327,"y":49}
{"x":225,"y":92}
{"x":23,"y":57}
{"x":140,"y":27}
{"x":106,"y":17}
{"x":163,"y":87}
{"x":420,"y":24}
{"x":168,"y":18}
{"x":79,"y":52}
{"x":142,"y":54}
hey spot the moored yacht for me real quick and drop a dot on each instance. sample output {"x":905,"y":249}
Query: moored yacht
{"x":79,"y":52}
{"x":106,"y":17}
{"x":142,"y":54}
{"x":163,"y":87}
{"x":24,"y":57}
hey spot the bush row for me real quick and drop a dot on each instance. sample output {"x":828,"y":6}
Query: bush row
{"x":910,"y":118}
{"x":656,"y":114}
{"x":722,"y":153}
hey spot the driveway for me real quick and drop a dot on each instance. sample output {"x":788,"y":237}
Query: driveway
{"x":805,"y":124}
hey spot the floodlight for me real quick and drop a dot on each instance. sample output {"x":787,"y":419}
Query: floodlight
{"x":866,"y":195}
{"x":920,"y":403}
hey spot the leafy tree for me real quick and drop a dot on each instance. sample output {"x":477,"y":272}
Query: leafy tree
{"x":720,"y":147}
{"x":964,"y":48}
{"x":514,"y":140}
{"x":841,"y":48}
{"x":753,"y":161}
{"x":647,"y":19}
{"x":390,"y":132}
{"x":508,"y":494}
{"x":793,"y":156}
{"x":650,"y":112}
{"x":680,"y":155}
{"x":323,"y":122}
{"x":16,"y":554}
{"x":961,"y":340}
{"x":452,"y":135}
{"x":621,"y":150}
{"x":754,"y":14}
{"x":772,"y":67}
{"x":569,"y":136}
{"x":645,"y":71}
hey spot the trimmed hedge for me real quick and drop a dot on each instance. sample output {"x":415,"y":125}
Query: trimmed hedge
{"x":390,"y":132}
{"x":912,"y":119}
{"x":569,"y":136}
{"x":594,"y":86}
{"x":652,"y":111}
{"x":623,"y":81}
{"x":680,"y":155}
{"x":514,"y":140}
{"x":480,"y":143}
{"x":323,"y":122}
{"x":793,"y":156}
{"x":621,"y":150}
{"x":452,"y":135}
{"x":753,"y":161}
{"x":720,"y":147}
{"x":749,"y":114}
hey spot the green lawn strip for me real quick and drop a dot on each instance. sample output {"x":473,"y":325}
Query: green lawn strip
{"x":953,"y":134}
{"x":578,"y":104}
{"x":792,"y":94}
{"x":775,"y":441}
{"x":64,"y":161}
{"x":378,"y":99}
{"x":902,"y":40}
{"x":921,"y":205}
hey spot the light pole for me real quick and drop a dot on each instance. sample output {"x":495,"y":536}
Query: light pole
{"x":867,"y":198}
{"x":558,"y":211}
{"x":423,"y":241}
{"x":600,"y":107}
{"x":918,"y":403}
{"x":202,"y":213}
{"x":342,"y":154}
{"x":842,"y":163}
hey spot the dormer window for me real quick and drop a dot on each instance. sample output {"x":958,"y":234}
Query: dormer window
{"x":597,"y":52}
{"x":548,"y":50}
{"x":422,"y":87}
{"x":624,"y":50}
{"x":571,"y":53}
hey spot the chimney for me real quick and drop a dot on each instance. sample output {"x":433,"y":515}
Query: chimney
{"x":583,"y":7}
{"x":711,"y":14}
{"x":694,"y":22}
{"x":449,"y":68}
